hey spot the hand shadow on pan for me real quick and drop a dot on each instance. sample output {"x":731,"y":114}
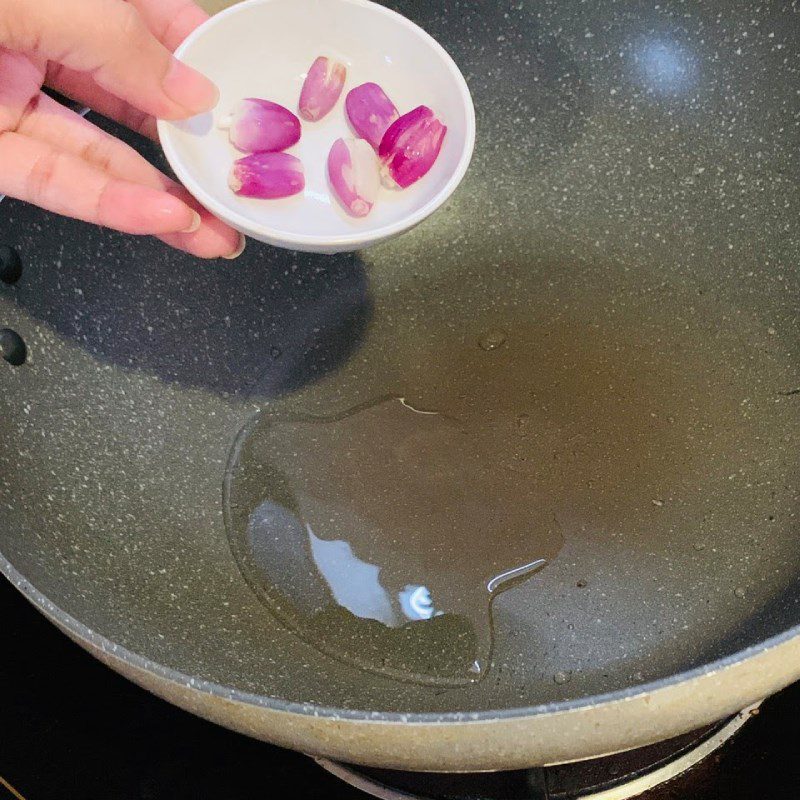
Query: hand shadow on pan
{"x":277,"y":318}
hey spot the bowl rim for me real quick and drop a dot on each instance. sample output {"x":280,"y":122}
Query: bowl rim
{"x":275,"y":235}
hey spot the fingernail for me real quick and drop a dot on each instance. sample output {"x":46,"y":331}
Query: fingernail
{"x":163,"y":211}
{"x":239,"y":250}
{"x":189,"y":89}
{"x":195,"y":223}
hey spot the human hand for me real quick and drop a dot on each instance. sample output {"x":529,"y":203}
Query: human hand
{"x":114,"y":56}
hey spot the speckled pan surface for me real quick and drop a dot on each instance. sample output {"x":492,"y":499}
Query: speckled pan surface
{"x":634,"y":194}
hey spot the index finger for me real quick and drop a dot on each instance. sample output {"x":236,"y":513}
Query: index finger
{"x":110,"y":40}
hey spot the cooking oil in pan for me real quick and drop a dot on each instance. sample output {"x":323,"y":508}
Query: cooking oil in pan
{"x":514,"y":427}
{"x":382,"y":534}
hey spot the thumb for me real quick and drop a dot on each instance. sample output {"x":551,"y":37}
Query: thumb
{"x":109,"y":39}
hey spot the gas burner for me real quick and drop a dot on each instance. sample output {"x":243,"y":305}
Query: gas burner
{"x":616,"y":777}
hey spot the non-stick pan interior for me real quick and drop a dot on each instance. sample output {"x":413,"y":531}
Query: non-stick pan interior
{"x":627,"y":238}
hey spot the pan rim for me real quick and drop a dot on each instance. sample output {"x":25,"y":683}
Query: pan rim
{"x":446,"y":718}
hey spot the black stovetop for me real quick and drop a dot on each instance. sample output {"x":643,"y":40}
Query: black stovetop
{"x":71,"y":729}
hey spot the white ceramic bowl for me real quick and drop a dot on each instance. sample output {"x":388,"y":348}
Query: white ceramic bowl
{"x":263,"y":48}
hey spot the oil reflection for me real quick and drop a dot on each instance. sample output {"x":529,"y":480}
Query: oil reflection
{"x":355,"y":585}
{"x":417,"y":603}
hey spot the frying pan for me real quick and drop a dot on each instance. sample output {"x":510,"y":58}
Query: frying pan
{"x":631,"y":222}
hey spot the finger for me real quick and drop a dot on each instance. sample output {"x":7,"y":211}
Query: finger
{"x":170,"y":20}
{"x":109,"y":39}
{"x":49,"y":122}
{"x":20,"y":83}
{"x":214,"y":239}
{"x":22,"y":107}
{"x":38,"y":173}
{"x":80,"y":87}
